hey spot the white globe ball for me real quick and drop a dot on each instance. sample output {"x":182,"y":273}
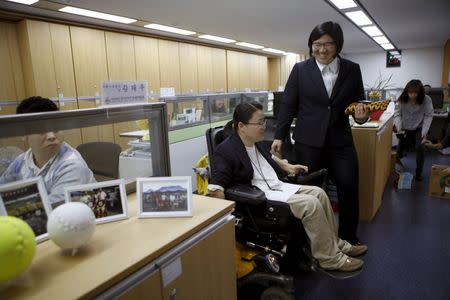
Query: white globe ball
{"x":71,"y":225}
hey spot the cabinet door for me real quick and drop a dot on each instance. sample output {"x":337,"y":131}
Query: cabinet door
{"x":205,"y":69}
{"x":188,"y":68}
{"x":121,"y":66}
{"x":219,"y":69}
{"x":37,"y":58}
{"x":208,"y":269}
{"x":244,"y":71}
{"x":64,"y":76}
{"x":233,"y":61}
{"x":169,"y":64}
{"x":147,"y":62}
{"x":90,"y":67}
{"x":150,"y":288}
{"x":11,"y":77}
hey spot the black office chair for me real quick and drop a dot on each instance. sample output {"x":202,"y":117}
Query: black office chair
{"x":102,"y":158}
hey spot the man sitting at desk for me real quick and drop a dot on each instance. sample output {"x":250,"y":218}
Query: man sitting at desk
{"x":49,"y":156}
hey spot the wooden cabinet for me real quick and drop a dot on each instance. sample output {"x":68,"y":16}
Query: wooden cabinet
{"x":169,"y":65}
{"x":121,"y":66}
{"x":206,"y":269}
{"x":373,"y":146}
{"x":205,"y":69}
{"x":233,"y":61}
{"x":188,"y":68}
{"x":147,"y":62}
{"x":150,"y":258}
{"x":90,"y":68}
{"x":11,"y":77}
{"x":219,"y":69}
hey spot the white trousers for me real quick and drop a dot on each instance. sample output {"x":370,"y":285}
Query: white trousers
{"x":312,"y":206}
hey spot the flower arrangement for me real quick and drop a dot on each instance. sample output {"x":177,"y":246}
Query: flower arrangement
{"x":380,"y":84}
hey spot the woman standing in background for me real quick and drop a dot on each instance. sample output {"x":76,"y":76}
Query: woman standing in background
{"x":412,"y":120}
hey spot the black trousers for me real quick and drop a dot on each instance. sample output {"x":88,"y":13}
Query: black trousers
{"x":342,"y":166}
{"x":412,"y":138}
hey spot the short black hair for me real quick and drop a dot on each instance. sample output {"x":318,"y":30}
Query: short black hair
{"x":333,"y":29}
{"x":36,"y":104}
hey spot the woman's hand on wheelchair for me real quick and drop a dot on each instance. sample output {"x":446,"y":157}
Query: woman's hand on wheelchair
{"x":296,"y":169}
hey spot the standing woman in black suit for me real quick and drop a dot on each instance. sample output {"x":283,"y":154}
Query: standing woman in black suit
{"x":317,"y":92}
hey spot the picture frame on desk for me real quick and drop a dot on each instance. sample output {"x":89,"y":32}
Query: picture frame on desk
{"x":106,"y":199}
{"x":27,"y":200}
{"x":160,"y":197}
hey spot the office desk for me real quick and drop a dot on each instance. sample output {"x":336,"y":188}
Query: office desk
{"x":373,"y":145}
{"x":136,"y":258}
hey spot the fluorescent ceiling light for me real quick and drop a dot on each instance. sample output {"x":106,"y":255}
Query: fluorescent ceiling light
{"x":274,"y":50}
{"x":253,"y":46}
{"x":27,"y":2}
{"x":388,"y":46}
{"x":381,"y":39}
{"x":359,"y":17}
{"x":291,"y":53}
{"x":170,"y":29}
{"x":343,"y":4}
{"x":95,"y":14}
{"x":372,"y":30}
{"x":216,"y":38}
{"x":394,"y":52}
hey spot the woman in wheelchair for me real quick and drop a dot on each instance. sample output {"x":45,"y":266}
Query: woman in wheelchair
{"x":243,"y":159}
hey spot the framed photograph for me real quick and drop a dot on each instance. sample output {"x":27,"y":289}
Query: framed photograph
{"x":393,"y":58}
{"x":27,"y":200}
{"x":107,"y":199}
{"x":164,"y":197}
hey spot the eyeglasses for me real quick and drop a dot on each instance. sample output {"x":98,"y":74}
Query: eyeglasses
{"x":326,"y":45}
{"x":260,"y":123}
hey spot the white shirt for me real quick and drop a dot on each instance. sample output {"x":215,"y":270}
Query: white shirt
{"x":266,"y":179}
{"x":329,"y":74}
{"x":66,"y":168}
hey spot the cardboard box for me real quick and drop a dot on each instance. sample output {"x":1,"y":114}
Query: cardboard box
{"x":439,"y":182}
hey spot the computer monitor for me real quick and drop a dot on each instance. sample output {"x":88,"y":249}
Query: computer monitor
{"x":437,"y":96}
{"x":277,"y":99}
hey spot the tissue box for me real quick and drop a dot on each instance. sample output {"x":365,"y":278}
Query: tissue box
{"x":439,"y":182}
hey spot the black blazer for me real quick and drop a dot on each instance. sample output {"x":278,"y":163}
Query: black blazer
{"x":320,"y":120}
{"x":232,"y":164}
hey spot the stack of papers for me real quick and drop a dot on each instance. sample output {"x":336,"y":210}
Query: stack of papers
{"x":370,"y":124}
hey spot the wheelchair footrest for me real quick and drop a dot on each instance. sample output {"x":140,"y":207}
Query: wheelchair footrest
{"x":268,"y":279}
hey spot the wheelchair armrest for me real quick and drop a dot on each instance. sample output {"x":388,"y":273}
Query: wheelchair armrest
{"x":245,"y":194}
{"x":304,"y":179}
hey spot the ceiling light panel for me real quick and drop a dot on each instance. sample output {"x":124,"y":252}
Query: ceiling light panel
{"x":217,"y":38}
{"x":387,"y":46}
{"x":359,"y":17}
{"x":170,"y":29}
{"x":248,"y":45}
{"x":372,"y":30}
{"x":27,"y":2}
{"x":274,"y":50}
{"x":381,"y":40}
{"x":95,"y":14}
{"x":344,"y":4}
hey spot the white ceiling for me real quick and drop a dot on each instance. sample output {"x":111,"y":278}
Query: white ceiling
{"x":286,"y":24}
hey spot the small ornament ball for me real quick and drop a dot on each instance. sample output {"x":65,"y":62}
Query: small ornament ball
{"x":71,"y":225}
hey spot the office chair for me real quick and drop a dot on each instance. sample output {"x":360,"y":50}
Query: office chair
{"x":102,"y":158}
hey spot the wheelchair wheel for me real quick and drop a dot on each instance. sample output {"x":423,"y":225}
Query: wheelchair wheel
{"x":276,"y":293}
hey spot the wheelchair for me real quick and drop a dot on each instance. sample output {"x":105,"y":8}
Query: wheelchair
{"x":271,"y":243}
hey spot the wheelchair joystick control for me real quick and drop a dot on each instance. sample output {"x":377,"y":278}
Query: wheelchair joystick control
{"x":272,"y":263}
